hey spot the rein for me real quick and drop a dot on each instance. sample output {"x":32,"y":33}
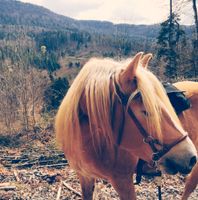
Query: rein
{"x":147,"y":138}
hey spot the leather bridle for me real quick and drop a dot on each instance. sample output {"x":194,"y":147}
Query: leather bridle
{"x":147,"y":137}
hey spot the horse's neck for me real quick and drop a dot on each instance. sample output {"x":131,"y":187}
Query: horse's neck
{"x":189,"y":119}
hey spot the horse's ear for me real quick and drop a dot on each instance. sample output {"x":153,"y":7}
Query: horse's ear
{"x":130,"y":71}
{"x":145,"y":60}
{"x":128,"y":74}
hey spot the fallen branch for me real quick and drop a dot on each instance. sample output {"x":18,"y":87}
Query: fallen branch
{"x":59,"y":191}
{"x":55,"y":159}
{"x":16,"y":175}
{"x":9,"y":187}
{"x":59,"y":165}
{"x":4,"y":184}
{"x":72,"y":189}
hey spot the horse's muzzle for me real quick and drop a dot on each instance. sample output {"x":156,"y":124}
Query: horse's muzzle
{"x":172,"y":167}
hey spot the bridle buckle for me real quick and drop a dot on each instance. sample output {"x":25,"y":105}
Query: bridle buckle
{"x":149,"y":139}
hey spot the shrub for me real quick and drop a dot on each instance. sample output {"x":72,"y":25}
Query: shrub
{"x":54,"y":94}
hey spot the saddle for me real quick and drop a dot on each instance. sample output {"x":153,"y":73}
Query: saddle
{"x":177,"y":98}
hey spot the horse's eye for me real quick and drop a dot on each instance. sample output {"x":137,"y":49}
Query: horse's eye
{"x":145,"y":113}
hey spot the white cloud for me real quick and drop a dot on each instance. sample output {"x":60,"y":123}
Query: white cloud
{"x":38,"y":2}
{"x":117,"y":11}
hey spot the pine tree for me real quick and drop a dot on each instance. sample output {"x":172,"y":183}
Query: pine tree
{"x":168,"y":39}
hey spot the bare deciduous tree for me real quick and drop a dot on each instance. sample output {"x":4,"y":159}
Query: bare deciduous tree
{"x":21,"y":95}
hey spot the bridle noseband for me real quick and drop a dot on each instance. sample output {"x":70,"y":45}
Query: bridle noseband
{"x":147,"y":138}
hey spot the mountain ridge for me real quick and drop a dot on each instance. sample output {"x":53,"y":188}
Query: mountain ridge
{"x":14,"y":12}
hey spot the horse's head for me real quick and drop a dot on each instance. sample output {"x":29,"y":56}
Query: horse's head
{"x":149,"y":114}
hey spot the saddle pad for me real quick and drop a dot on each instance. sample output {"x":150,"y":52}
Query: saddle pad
{"x":177,"y":98}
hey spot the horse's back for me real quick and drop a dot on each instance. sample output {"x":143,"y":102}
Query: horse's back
{"x":189,"y":87}
{"x":189,"y":118}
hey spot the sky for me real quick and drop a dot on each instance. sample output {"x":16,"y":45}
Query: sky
{"x":118,"y":11}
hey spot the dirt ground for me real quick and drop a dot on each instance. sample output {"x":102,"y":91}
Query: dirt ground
{"x":38,"y":171}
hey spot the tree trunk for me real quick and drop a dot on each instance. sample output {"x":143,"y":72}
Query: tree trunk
{"x":172,"y":48}
{"x":195,"y":42}
{"x":196,"y":17}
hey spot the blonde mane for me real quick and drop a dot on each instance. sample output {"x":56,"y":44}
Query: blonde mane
{"x":93,"y":81}
{"x":152,"y":91}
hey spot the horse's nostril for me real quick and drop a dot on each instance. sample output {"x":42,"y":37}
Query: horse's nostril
{"x":193,"y":161}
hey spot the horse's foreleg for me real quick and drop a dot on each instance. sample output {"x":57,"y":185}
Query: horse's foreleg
{"x":124,"y":187}
{"x":191,"y":183}
{"x":87,"y":186}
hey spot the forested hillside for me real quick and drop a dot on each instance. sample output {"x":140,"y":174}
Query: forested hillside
{"x":41,"y":52}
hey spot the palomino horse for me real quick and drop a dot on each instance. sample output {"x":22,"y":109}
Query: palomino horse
{"x":113,"y":114}
{"x":189,"y":120}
